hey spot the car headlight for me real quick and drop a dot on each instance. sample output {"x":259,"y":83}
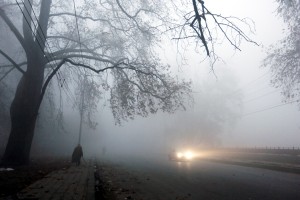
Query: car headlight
{"x":188,"y":155}
{"x":179,"y":155}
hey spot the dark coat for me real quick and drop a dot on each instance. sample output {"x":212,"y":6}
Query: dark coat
{"x":77,"y":154}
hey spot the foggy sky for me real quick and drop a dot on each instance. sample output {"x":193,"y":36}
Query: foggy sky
{"x":162,"y":132}
{"x":274,"y":127}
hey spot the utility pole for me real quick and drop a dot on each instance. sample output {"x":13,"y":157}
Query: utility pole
{"x":81,"y":110}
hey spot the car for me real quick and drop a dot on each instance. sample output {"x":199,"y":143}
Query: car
{"x":181,"y":156}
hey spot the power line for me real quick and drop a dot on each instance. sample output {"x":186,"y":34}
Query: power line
{"x":28,"y":23}
{"x":249,"y":83}
{"x":82,"y":93}
{"x":270,"y":108}
{"x":253,"y":81}
{"x":37,"y":33}
{"x":58,"y":76}
{"x":248,"y":93}
{"x":77,"y":27}
{"x":261,"y":96}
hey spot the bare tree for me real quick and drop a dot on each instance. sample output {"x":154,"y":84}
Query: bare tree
{"x":106,"y":37}
{"x":284,"y":59}
{"x":207,"y":29}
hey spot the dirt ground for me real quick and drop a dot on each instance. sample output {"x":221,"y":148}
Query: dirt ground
{"x":13,"y":181}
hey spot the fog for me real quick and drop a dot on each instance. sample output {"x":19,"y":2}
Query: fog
{"x":233,"y":105}
{"x":275,"y":127}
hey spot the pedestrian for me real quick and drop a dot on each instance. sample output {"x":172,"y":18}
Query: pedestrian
{"x":77,"y":154}
{"x":103,"y":151}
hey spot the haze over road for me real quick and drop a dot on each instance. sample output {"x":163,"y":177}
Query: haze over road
{"x":163,"y":179}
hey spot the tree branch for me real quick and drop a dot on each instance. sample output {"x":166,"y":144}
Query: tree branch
{"x":12,"y":62}
{"x":129,"y":16}
{"x":114,"y":65}
{"x":124,"y":11}
{"x":198,"y":18}
{"x":10,"y":70}
{"x":144,"y":90}
{"x":82,"y":56}
{"x":9,"y":4}
{"x":20,"y":64}
{"x":12,"y":28}
{"x":202,"y":28}
{"x":90,"y":18}
{"x":72,"y":50}
{"x":47,"y":83}
{"x":117,"y":66}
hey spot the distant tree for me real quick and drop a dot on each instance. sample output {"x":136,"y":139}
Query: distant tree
{"x":218,"y":105}
{"x":88,"y":96}
{"x":104,"y":36}
{"x":284,"y":58}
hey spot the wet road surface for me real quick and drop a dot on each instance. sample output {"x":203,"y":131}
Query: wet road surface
{"x":200,"y":179}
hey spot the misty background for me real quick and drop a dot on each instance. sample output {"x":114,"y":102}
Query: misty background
{"x":234,"y":104}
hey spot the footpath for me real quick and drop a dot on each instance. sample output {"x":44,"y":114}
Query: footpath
{"x":74,"y":183}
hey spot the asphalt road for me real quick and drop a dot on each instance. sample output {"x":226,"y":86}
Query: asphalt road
{"x":200,"y":179}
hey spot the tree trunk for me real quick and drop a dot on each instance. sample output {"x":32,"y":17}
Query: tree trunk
{"x":23,"y":113}
{"x":26,"y":103}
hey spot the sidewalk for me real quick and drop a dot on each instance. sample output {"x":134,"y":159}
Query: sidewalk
{"x":74,"y":183}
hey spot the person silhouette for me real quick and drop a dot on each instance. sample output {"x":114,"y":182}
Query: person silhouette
{"x":77,"y":154}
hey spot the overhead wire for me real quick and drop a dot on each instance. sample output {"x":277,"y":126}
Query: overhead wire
{"x":37,"y":33}
{"x":76,"y":20}
{"x":249,"y":83}
{"x":29,"y":25}
{"x":58,"y":76}
{"x":257,"y":90}
{"x":261,"y":96}
{"x":82,"y":93}
{"x":70,"y":95}
{"x":79,"y":38}
{"x":269,"y":108}
{"x":62,"y":82}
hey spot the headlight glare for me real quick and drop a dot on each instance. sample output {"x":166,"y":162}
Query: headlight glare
{"x":188,"y":155}
{"x":179,"y":155}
